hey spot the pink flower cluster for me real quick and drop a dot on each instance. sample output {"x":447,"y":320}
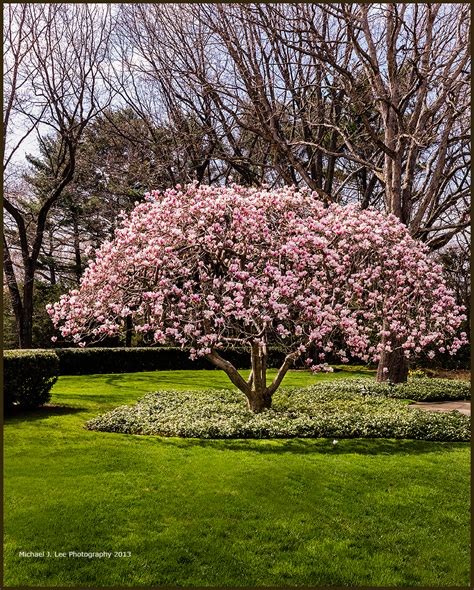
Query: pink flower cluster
{"x":211,"y":267}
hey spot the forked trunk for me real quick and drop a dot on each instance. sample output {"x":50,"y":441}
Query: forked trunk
{"x":259,"y":396}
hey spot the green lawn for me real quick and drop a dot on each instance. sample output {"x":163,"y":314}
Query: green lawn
{"x":216,"y":513}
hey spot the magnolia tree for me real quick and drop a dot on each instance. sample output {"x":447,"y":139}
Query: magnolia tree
{"x":211,"y":268}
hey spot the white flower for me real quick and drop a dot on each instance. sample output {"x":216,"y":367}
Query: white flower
{"x":334,"y":442}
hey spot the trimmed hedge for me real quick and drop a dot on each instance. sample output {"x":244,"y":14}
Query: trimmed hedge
{"x":28,"y":377}
{"x":313,"y":412}
{"x":89,"y":361}
{"x":419,"y":389}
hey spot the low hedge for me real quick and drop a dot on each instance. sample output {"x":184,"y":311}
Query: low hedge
{"x":28,"y":376}
{"x":419,"y":389}
{"x":313,"y":412}
{"x":88,"y":361}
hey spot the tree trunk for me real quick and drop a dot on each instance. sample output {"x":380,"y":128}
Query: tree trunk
{"x":393,"y":366}
{"x":258,"y":396}
{"x":52,"y":271}
{"x":259,"y":401}
{"x":26,"y":332}
{"x":77,"y":247}
{"x":26,"y":327}
{"x":128,"y":331}
{"x":397,"y":367}
{"x":13,"y":288}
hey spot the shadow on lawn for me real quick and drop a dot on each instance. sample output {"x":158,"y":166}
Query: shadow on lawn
{"x":121,"y":380}
{"x":17,"y":415}
{"x":368,"y":446}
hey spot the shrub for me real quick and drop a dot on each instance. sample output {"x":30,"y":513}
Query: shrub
{"x":416,"y":373}
{"x":28,"y":377}
{"x":88,"y":361}
{"x":416,"y":389}
{"x":313,"y":412}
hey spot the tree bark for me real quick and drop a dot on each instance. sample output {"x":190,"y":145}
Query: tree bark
{"x":22,"y":308}
{"x":26,"y":328}
{"x":215,"y":358}
{"x":397,"y":367}
{"x":393,"y":366}
{"x":13,"y":288}
{"x":259,"y":401}
{"x":128,"y":331}
{"x":259,"y":398}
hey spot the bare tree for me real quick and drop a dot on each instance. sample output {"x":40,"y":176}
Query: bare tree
{"x":222,"y":68}
{"x":158,"y":82}
{"x":417,"y":64}
{"x":61,"y":92}
{"x":269,"y":108}
{"x":18,"y":41}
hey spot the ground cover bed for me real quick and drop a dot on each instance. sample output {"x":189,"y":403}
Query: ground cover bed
{"x":343,"y":409}
{"x":197,"y":512}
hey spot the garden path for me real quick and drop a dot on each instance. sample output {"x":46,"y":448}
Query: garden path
{"x":461,"y":406}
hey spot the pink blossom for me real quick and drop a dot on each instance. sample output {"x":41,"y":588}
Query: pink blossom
{"x":210,"y":267}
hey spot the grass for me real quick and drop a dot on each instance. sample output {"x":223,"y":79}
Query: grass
{"x":225,"y":513}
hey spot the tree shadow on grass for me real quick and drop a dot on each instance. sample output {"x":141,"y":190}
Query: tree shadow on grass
{"x":368,"y":446}
{"x":46,"y":411}
{"x":122,"y":380}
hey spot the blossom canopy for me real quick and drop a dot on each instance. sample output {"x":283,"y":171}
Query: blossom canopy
{"x":212,"y":267}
